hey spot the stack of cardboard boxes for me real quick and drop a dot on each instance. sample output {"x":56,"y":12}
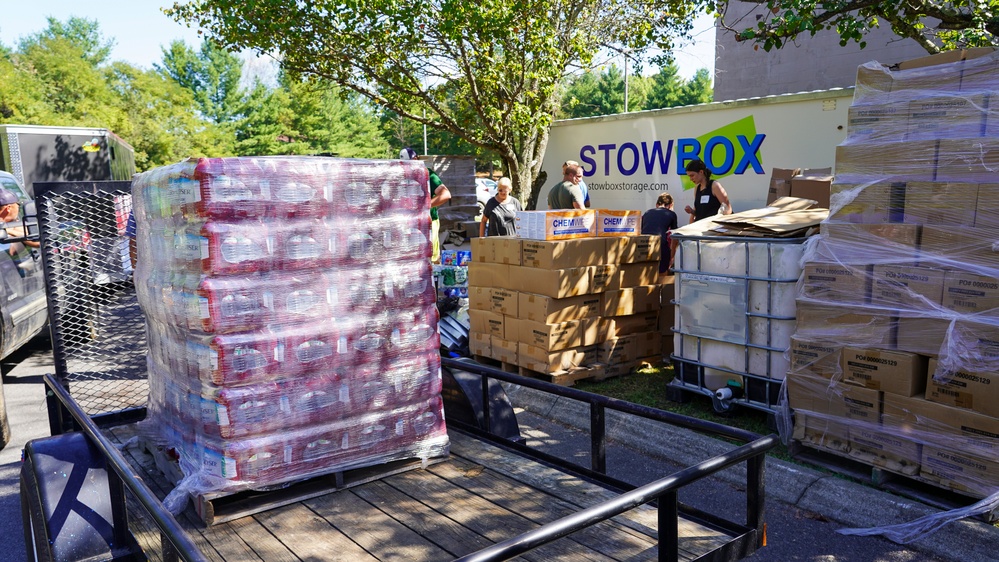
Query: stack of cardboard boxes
{"x":578,"y":308}
{"x":896,"y":352}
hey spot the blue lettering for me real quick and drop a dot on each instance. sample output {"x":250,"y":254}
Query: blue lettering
{"x":728,"y":153}
{"x":750,"y":156}
{"x":620,"y":160}
{"x":687,"y":150}
{"x":606,"y":148}
{"x":657,"y":155}
{"x":584,"y":157}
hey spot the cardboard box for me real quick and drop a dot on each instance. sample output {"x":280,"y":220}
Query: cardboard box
{"x":856,"y":162}
{"x":906,"y":286}
{"x":946,"y":115}
{"x":957,"y":470}
{"x":480,"y":344}
{"x":482,"y":251}
{"x":812,"y":187}
{"x":824,"y":411}
{"x":504,"y":350}
{"x":986,"y":211}
{"x":967,"y":292}
{"x":815,"y":358}
{"x":618,"y":223}
{"x":649,"y":344}
{"x":667,"y":343}
{"x":866,"y":203}
{"x":836,"y":282}
{"x":945,"y":426}
{"x":504,"y":301}
{"x":944,"y":204}
{"x":591,"y":331}
{"x":638,"y":274}
{"x":551,"y":310}
{"x":976,"y":246}
{"x":922,"y":335}
{"x":550,"y":337}
{"x":968,"y":160}
{"x":780,"y":183}
{"x":604,"y":278}
{"x":847,"y":325}
{"x":631,"y":300}
{"x":899,"y":239}
{"x":558,"y":283}
{"x":946,"y":57}
{"x":668,"y":289}
{"x":485,"y":322}
{"x":506,"y":249}
{"x":897,"y":372}
{"x":618,"y":326}
{"x":890,"y":448}
{"x":544,"y":361}
{"x":973,"y":390}
{"x":479,"y":298}
{"x":618,"y":350}
{"x":878,"y":122}
{"x":564,"y":254}
{"x":489,"y":275}
{"x":634,"y":249}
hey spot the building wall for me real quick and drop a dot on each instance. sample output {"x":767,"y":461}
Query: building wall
{"x":811,"y":63}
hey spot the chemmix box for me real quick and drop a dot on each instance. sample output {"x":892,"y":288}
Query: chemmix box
{"x":557,"y":225}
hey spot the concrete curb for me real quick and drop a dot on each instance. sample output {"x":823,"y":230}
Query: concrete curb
{"x":848,"y":503}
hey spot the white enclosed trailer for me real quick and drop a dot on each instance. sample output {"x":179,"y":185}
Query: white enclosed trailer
{"x":629,"y":159}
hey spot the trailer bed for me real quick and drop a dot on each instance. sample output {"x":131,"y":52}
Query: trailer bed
{"x":482,"y":495}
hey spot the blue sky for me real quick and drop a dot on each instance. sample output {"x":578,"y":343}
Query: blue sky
{"x":140,"y":29}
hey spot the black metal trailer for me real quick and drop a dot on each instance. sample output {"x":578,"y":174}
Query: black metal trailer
{"x":498,"y":496}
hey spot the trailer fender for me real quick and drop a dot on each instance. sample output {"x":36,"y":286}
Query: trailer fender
{"x":66,"y":502}
{"x":462,"y":395}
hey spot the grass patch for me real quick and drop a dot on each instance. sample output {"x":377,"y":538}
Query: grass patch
{"x":647,"y":387}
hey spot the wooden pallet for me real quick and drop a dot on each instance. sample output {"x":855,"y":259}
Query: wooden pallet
{"x":220,"y":507}
{"x":907,"y":485}
{"x":501,"y":365}
{"x":596,"y":372}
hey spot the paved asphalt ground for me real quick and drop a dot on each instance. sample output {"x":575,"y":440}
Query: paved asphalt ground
{"x":804,"y":506}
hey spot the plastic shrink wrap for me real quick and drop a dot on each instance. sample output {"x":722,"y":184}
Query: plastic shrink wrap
{"x":291,"y":315}
{"x":895,"y":357}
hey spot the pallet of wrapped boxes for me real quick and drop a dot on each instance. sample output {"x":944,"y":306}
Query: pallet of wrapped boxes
{"x":583,"y":304}
{"x":895,"y":358}
{"x":291,"y":317}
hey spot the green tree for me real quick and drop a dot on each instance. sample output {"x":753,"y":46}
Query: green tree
{"x":163,"y":126}
{"x":489,"y":72}
{"x":666,"y":88}
{"x":698,"y":89}
{"x":211,"y":74}
{"x":65,"y":60}
{"x":582,"y":96}
{"x":22,"y":98}
{"x":936,"y":25}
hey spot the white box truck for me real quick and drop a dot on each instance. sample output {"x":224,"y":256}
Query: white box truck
{"x":629,"y":159}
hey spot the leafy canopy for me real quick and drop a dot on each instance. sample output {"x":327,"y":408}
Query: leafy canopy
{"x":488,"y":71}
{"x":936,"y":25}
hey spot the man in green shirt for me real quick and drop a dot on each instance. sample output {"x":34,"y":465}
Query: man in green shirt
{"x":566,"y":194}
{"x":440,"y":194}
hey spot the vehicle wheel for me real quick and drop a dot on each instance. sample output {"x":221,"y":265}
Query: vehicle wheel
{"x":36,"y":540}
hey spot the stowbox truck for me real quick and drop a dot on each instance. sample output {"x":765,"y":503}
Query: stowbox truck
{"x":629,"y":159}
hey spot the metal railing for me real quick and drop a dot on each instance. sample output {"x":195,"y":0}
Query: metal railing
{"x":747,"y":538}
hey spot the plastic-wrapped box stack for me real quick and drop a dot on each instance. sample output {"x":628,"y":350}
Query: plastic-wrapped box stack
{"x":896,"y":352}
{"x":578,"y":308}
{"x":291,"y":316}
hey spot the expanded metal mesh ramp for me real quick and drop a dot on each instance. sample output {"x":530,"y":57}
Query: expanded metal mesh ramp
{"x":98,"y":334}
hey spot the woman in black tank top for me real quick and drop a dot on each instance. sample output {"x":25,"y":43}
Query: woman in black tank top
{"x":709,"y":197}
